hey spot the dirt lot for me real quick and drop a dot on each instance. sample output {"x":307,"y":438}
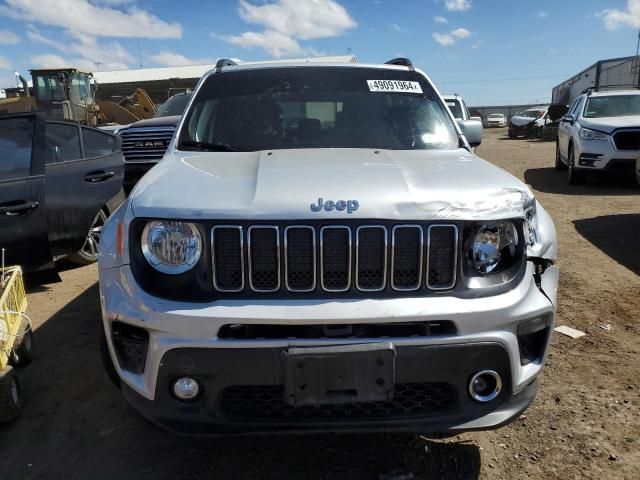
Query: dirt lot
{"x":583,"y":424}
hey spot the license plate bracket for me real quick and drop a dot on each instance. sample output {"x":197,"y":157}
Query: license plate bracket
{"x":339,"y":374}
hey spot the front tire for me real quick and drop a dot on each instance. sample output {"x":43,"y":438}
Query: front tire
{"x":575,"y":176}
{"x":560,"y":165}
{"x":89,"y":252}
{"x":10,"y":395}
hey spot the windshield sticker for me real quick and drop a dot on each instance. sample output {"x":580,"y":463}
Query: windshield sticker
{"x":395,"y":86}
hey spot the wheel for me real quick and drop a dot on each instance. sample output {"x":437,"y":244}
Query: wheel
{"x":559,"y":163}
{"x":10,"y":400}
{"x":511,"y":134}
{"x":107,"y":363}
{"x":89,"y":251}
{"x":575,"y":176}
{"x":22,"y":354}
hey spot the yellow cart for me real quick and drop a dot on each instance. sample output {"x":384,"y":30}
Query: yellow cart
{"x":16,"y":340}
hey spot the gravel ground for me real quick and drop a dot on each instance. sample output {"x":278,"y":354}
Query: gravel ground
{"x":583,"y":424}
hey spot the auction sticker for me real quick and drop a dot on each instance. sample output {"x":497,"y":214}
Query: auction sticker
{"x":396,"y":86}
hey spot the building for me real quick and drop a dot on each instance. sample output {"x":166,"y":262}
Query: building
{"x":161,"y":83}
{"x":613,"y":73}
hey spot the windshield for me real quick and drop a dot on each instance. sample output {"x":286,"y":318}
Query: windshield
{"x":612,"y":106}
{"x":455,"y":107}
{"x":318,"y":107}
{"x":174,"y":106}
{"x":531,"y":113}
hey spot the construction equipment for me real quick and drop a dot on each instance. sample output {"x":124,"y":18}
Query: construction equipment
{"x":16,"y":340}
{"x":68,"y":94}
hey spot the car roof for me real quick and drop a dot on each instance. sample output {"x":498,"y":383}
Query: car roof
{"x":612,"y":93}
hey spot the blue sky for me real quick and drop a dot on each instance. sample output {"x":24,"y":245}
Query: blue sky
{"x":489,"y":51}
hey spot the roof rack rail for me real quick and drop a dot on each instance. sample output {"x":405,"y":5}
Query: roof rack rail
{"x":405,"y":62}
{"x":224,"y":62}
{"x":601,"y":88}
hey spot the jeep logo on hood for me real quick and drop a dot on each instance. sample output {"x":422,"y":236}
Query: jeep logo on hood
{"x":150,"y":143}
{"x":349,"y":205}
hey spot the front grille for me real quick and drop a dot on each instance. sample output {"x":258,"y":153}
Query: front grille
{"x":334,"y":258}
{"x":144,"y":145}
{"x":627,"y":140}
{"x":266,"y":403}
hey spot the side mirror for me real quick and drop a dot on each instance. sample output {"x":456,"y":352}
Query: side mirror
{"x":472,"y":131}
{"x":567,"y":118}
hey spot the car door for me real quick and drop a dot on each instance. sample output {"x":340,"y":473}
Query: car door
{"x":85,"y":170}
{"x":23,"y":225}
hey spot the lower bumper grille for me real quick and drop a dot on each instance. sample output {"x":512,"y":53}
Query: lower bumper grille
{"x":265,"y":402}
{"x":627,"y":140}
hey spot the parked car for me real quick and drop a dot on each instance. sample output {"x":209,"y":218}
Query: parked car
{"x":524,"y":123}
{"x":600,"y":133}
{"x":58,"y":184}
{"x":496,"y":120}
{"x":320,"y":250}
{"x":145,"y":142}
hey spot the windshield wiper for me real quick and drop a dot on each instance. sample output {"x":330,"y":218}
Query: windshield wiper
{"x":212,"y":147}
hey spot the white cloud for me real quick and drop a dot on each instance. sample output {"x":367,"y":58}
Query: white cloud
{"x":397,"y":28}
{"x":8,"y":38}
{"x":543,"y":14}
{"x":460,"y":33}
{"x":457,"y":5}
{"x":83,"y":50}
{"x":287,"y":21}
{"x":444,"y":39}
{"x":4,"y":63}
{"x":615,"y":19}
{"x":440,"y":20}
{"x":172,"y":59}
{"x":447,"y":39}
{"x":82,"y":17}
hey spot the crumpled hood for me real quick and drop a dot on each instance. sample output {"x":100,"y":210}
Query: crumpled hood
{"x":283,"y":184}
{"x":521,"y":121}
{"x":609,"y":124}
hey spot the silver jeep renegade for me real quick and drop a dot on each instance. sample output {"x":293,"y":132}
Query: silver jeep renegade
{"x":320,"y":250}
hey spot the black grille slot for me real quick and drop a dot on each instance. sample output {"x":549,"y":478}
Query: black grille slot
{"x":300,"y":258}
{"x":371,"y":256}
{"x":407,"y":257}
{"x":627,"y":140}
{"x":265,"y":402}
{"x":441,"y":262}
{"x":336,"y":258}
{"x":264,"y":258}
{"x":148,"y":144}
{"x":228,"y":259}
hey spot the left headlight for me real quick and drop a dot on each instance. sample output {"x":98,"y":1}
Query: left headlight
{"x":495,"y":246}
{"x":588,"y":134}
{"x":171,"y":247}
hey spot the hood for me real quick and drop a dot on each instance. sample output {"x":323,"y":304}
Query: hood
{"x":283,"y":184}
{"x":609,"y":124}
{"x":171,"y":120}
{"x":521,"y":121}
{"x":556,"y":111}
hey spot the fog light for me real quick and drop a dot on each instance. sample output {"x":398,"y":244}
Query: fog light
{"x":186,"y":388}
{"x":485,"y":386}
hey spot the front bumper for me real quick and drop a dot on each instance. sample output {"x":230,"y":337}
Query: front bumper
{"x":486,"y":338}
{"x":603,"y":156}
{"x":521,"y":130}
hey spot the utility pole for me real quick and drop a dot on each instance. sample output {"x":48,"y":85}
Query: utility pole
{"x":139,"y":54}
{"x":97,"y":64}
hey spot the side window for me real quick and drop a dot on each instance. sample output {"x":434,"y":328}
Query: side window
{"x":16,"y":138}
{"x":97,"y":144}
{"x":572,"y":110}
{"x":62,"y":143}
{"x":579,"y":107}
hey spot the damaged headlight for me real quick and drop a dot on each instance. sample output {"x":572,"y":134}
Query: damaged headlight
{"x":495,"y":246}
{"x":171,"y":247}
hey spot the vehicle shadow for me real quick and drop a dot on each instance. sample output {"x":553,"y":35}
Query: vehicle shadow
{"x":615,"y":235}
{"x":76,"y":425}
{"x":549,"y":180}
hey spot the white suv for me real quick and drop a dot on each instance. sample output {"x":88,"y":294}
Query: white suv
{"x":320,"y":250}
{"x":601,"y":132}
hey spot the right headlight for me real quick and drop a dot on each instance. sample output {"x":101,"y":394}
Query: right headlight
{"x":588,"y":134}
{"x":171,"y":247}
{"x":495,"y":246}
